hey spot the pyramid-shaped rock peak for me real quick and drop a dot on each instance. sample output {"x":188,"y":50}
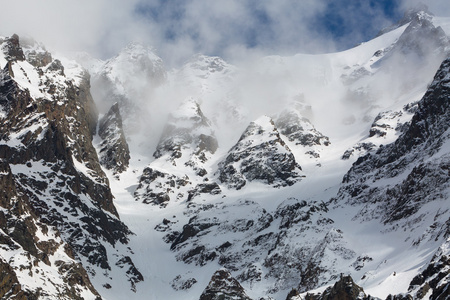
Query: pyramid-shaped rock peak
{"x":51,"y":173}
{"x":299,"y":129}
{"x":187,"y":134}
{"x":223,"y":286}
{"x":344,"y":289}
{"x":260,"y":154}
{"x":421,"y":37}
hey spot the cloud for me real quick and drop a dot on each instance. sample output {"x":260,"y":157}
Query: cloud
{"x":438,"y":7}
{"x":217,"y":28}
{"x":180,"y":28}
{"x":79,"y":25}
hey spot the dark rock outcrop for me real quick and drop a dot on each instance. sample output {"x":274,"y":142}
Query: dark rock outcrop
{"x":156,"y":187}
{"x":299,"y":129}
{"x":51,"y":178}
{"x":260,"y":154}
{"x":12,"y":49}
{"x":224,"y":287}
{"x":10,"y":287}
{"x":204,"y":188}
{"x":435,"y":277}
{"x":114,"y":152}
{"x":344,"y":289}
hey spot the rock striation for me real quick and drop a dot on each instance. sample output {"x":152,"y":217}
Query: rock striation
{"x":260,"y":154}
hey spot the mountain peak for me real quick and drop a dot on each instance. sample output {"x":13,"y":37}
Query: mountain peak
{"x":224,"y":286}
{"x":136,"y":48}
{"x":260,"y":154}
{"x":420,"y":12}
{"x":419,"y":9}
{"x":12,"y":50}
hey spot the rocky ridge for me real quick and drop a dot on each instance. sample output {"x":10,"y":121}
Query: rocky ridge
{"x":51,"y":174}
{"x":413,"y":160}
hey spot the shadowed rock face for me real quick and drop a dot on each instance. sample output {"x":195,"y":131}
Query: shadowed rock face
{"x":114,"y":153}
{"x":425,"y":181}
{"x":435,"y":276}
{"x":260,"y":154}
{"x":51,"y":178}
{"x":344,"y":289}
{"x":299,"y":129}
{"x":224,"y":287}
{"x":158,"y":188}
{"x":12,"y":50}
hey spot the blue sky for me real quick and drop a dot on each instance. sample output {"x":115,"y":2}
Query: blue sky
{"x":343,"y":23}
{"x":346,"y":29}
{"x":177,"y":29}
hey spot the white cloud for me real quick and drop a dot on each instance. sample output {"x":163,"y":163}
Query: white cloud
{"x":180,"y":28}
{"x":437,"y":7}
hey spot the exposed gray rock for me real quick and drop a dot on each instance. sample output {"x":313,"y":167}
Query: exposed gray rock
{"x":12,"y":49}
{"x":188,"y":132}
{"x":344,"y":289}
{"x":421,"y":39}
{"x":408,"y":16}
{"x":52,"y":181}
{"x":260,"y":154}
{"x":223,"y":286}
{"x":299,"y":129}
{"x":396,"y":182}
{"x":156,"y":187}
{"x":114,"y":153}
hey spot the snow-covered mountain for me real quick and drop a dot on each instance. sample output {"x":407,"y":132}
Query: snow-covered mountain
{"x":300,"y":177}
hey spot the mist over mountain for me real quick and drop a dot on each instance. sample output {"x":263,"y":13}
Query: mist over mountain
{"x":320,"y":176}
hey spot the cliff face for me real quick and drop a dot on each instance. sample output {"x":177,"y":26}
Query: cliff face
{"x":51,"y":178}
{"x":260,"y":154}
{"x":114,"y":153}
{"x":416,"y":163}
